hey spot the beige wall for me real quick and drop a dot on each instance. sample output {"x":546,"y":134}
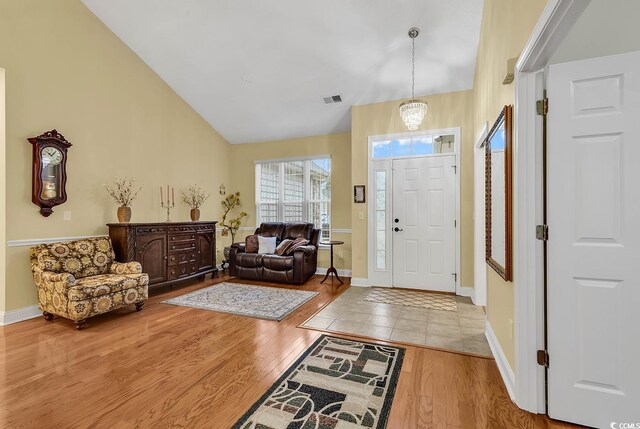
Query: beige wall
{"x":66,"y":70}
{"x":3,"y":196}
{"x":445,"y":111}
{"x":338,"y":146}
{"x":506,"y":26}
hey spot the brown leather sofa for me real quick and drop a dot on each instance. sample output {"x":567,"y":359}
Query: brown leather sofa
{"x":292,"y":269}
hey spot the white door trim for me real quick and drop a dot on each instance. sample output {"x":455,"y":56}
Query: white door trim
{"x":370,"y":196}
{"x":479,"y":264}
{"x":556,"y":20}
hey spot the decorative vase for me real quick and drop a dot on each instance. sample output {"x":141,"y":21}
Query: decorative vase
{"x":195,"y":215}
{"x":124,"y":214}
{"x":226,"y":252}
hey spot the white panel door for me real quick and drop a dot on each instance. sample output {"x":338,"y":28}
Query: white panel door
{"x":594,"y":240}
{"x":423,"y":223}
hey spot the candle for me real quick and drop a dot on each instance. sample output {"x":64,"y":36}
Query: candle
{"x":161,"y":196}
{"x":167,"y":194}
{"x":172,"y":199}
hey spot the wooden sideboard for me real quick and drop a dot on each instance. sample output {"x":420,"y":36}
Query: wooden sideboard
{"x":168,"y":251}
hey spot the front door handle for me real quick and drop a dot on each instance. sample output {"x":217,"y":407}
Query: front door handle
{"x":396,"y":229}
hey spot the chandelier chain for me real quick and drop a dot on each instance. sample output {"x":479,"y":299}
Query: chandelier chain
{"x":413,"y":68}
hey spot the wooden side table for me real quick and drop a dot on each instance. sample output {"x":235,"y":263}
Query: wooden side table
{"x":332,"y":270}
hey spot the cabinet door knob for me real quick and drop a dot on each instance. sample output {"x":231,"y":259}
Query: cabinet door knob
{"x":165,"y":257}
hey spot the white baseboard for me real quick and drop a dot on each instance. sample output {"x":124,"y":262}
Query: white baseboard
{"x":14,"y":316}
{"x":359,"y":281}
{"x":508,"y":376}
{"x":341,"y":273}
{"x":465,"y":291}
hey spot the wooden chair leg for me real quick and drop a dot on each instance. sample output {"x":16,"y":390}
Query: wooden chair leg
{"x":47,"y":316}
{"x":81,"y":324}
{"x":139,"y":305}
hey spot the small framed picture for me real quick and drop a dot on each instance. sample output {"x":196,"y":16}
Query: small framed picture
{"x":358,"y":194}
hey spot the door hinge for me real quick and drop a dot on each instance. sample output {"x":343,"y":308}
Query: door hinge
{"x":455,"y":223}
{"x":542,"y":232}
{"x":455,"y":277}
{"x":455,"y":169}
{"x":542,"y":106}
{"x":543,"y":358}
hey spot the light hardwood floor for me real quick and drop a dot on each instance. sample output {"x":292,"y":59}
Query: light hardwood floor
{"x":170,"y":366}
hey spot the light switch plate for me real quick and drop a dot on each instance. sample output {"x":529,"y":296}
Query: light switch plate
{"x":66,"y":215}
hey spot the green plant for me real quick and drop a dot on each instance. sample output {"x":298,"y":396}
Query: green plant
{"x":232,"y":225}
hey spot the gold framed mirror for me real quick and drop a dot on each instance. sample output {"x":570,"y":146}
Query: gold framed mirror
{"x":499,"y":195}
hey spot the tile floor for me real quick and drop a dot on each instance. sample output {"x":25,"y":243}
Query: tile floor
{"x":461,"y":330}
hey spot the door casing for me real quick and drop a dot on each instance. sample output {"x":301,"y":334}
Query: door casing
{"x":384,"y":279}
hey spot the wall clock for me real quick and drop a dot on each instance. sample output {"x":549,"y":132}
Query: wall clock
{"x":49,"y":171}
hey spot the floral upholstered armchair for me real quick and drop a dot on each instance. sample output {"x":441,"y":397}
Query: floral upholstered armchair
{"x":79,"y":279}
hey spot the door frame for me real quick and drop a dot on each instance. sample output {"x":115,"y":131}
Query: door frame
{"x":555,"y":22}
{"x":479,"y":249}
{"x":374,"y":277}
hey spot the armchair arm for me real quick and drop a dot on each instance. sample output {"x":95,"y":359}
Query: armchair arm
{"x":125,"y":268}
{"x":307,"y":249}
{"x":66,"y":278}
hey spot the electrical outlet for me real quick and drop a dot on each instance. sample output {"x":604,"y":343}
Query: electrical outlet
{"x":511,"y":327}
{"x":66,"y":215}
{"x":340,"y":254}
{"x":361,"y":215}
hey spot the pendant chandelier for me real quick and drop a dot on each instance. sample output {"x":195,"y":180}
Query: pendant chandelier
{"x":413,"y":111}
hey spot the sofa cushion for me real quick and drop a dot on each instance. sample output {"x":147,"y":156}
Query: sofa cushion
{"x":274,"y":228}
{"x":277,"y":263}
{"x":82,"y":258}
{"x":252,"y":244}
{"x":249,"y":260}
{"x":295,"y":230}
{"x":103,"y":284}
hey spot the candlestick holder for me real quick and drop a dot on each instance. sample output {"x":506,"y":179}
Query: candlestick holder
{"x":167,"y":206}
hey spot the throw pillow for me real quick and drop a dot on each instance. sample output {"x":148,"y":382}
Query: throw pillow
{"x":251,"y":244}
{"x":283,"y":246}
{"x":298,"y":242}
{"x":266,"y":245}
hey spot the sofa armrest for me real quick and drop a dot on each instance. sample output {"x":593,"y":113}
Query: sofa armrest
{"x":125,"y":268}
{"x":308,"y":249}
{"x":239,"y":247}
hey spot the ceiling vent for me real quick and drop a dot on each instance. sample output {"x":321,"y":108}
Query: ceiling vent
{"x":332,"y":99}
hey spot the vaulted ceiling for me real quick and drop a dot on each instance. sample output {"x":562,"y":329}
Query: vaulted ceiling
{"x":258,"y":70}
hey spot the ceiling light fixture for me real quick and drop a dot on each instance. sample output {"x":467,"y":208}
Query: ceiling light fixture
{"x":413,"y":111}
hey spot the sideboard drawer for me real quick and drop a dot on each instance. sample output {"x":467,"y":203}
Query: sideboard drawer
{"x":179,"y":247}
{"x":182,"y":258}
{"x":178,"y":238}
{"x":181,"y":271}
{"x":151,"y":229}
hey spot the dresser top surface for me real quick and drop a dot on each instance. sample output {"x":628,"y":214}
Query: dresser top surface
{"x":201,"y":222}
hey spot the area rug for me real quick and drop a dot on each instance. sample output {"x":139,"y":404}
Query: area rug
{"x":261,"y":302}
{"x":436,"y":301}
{"x":336,"y":383}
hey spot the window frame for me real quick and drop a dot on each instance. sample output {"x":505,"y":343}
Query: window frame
{"x":306,"y":200}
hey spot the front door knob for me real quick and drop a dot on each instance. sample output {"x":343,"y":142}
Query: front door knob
{"x":396,"y":229}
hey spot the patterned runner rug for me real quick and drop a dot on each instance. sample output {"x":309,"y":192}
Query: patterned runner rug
{"x":261,"y":302}
{"x":437,"y":301}
{"x":335,"y":384}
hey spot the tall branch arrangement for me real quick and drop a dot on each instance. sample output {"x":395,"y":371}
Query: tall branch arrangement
{"x":194,"y":197}
{"x":123,"y":191}
{"x":233,"y":225}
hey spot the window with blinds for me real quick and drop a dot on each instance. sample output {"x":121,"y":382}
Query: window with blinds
{"x":295,"y":191}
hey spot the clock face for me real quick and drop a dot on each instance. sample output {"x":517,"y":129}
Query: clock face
{"x":51,"y":156}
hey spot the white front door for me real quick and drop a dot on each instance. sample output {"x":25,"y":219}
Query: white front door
{"x":423,"y":216}
{"x":594,"y":240}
